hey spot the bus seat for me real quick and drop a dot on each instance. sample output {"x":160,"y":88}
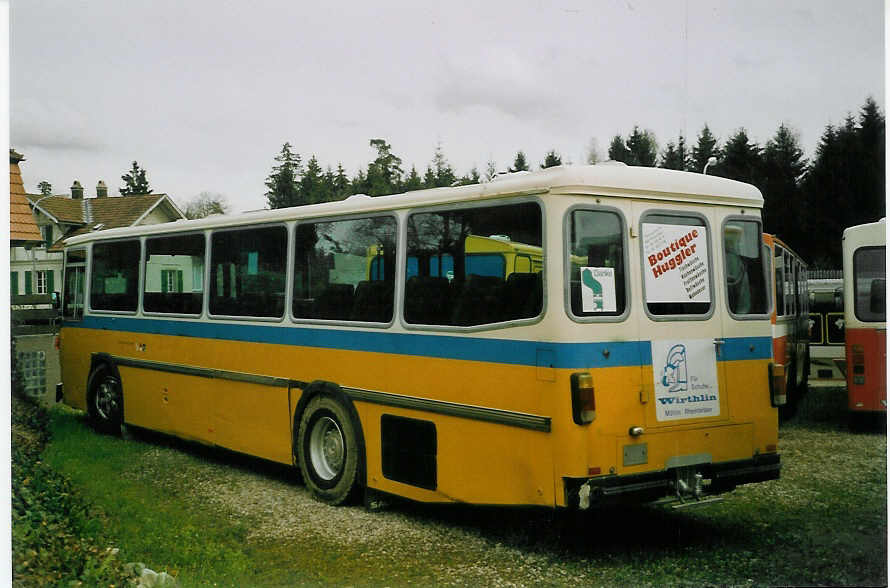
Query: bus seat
{"x":522,"y":296}
{"x":335,"y":302}
{"x":427,"y":300}
{"x":373,"y":302}
{"x":480,"y":299}
{"x":173,"y":302}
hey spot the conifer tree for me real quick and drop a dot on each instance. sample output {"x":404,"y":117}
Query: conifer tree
{"x":740,"y":161}
{"x":705,"y":149}
{"x":283,"y":183}
{"x":675,"y":155}
{"x":46,"y":189}
{"x":311,"y":186}
{"x":385,"y":172}
{"x":552,"y":159}
{"x":642,"y":147}
{"x":439,"y":173}
{"x":340,"y":188}
{"x":783,"y":169}
{"x":135,"y":181}
{"x":519,"y":162}
{"x":413,"y":181}
{"x":618,"y":150}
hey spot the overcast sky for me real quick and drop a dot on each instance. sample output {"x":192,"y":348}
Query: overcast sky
{"x":204,"y":93}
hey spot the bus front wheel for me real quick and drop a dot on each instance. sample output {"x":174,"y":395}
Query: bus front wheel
{"x":328,"y":450}
{"x":106,"y":401}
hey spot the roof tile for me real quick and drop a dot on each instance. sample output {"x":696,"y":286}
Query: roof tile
{"x":21,"y":222}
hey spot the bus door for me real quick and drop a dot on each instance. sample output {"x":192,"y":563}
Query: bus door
{"x":74,"y":363}
{"x":680,"y":318}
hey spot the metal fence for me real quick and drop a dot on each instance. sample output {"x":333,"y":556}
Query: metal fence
{"x":825,"y":274}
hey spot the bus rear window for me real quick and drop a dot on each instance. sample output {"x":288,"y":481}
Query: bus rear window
{"x":114,"y":284}
{"x":676,"y":265}
{"x":596,"y":264}
{"x":746,"y":286}
{"x":870,"y":284}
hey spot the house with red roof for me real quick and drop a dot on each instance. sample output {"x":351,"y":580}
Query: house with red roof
{"x":36,"y":258}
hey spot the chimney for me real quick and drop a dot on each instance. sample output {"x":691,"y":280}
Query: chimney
{"x":76,"y":191}
{"x":101,"y":190}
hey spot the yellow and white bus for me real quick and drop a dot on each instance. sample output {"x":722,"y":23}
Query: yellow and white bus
{"x":572,"y":337}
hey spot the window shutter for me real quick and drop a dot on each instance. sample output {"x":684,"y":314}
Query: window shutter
{"x":163,"y":281}
{"x":49,"y":281}
{"x":14,"y":283}
{"x":27,"y":282}
{"x":179,"y":281}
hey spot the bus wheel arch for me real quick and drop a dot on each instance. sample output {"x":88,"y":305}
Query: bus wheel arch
{"x":105,"y":396}
{"x":328,"y":444}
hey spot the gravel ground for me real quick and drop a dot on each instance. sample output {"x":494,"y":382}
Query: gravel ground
{"x":281,"y":510}
{"x":401,"y":543}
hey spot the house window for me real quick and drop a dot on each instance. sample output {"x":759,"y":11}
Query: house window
{"x":171,"y":281}
{"x":47,"y":232}
{"x":40,"y":282}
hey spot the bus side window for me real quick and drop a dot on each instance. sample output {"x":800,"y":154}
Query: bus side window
{"x":345,"y":270}
{"x":115,"y":276}
{"x":457,"y":271}
{"x":73,"y":296}
{"x":247,"y":268}
{"x":174,"y":274}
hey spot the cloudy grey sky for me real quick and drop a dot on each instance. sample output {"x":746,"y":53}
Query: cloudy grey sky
{"x":203,"y":93}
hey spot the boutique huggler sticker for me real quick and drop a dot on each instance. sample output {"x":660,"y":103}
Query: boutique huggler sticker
{"x":685,"y":374}
{"x":676,"y":263}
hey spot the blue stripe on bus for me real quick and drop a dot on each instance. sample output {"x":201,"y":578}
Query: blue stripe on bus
{"x":504,"y":351}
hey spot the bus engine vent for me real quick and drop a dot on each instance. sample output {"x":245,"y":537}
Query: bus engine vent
{"x":409,"y":451}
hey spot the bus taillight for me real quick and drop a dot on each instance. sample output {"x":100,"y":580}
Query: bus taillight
{"x":778,"y":394}
{"x":858,"y":364}
{"x":583,"y":400}
{"x":57,"y":343}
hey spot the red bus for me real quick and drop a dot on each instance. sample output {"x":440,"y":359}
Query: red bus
{"x":865,"y":316}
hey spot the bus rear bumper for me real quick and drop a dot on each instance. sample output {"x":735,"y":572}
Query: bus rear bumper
{"x":685,"y":484}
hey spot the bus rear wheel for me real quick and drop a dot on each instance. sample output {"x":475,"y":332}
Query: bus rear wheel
{"x":105,"y":405}
{"x":328,"y":451}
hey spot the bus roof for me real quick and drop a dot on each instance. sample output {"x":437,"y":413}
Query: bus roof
{"x":611,"y":180}
{"x":869,"y":230}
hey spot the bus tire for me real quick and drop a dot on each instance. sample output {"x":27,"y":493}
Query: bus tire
{"x":328,"y":451}
{"x":105,"y":400}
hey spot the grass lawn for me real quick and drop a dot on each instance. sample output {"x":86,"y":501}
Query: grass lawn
{"x":211,"y":517}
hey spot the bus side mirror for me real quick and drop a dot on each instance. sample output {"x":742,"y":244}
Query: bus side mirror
{"x":878,"y":297}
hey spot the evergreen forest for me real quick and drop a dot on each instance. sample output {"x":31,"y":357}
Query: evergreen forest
{"x":807,"y":203}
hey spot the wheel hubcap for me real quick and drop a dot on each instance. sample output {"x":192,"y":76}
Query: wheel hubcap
{"x":106,"y":399}
{"x":327,"y":450}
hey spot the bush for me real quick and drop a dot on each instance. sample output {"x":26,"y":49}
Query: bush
{"x":55,"y":533}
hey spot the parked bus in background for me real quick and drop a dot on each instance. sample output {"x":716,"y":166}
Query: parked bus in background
{"x":577,"y":336}
{"x":790,"y":320}
{"x":826,"y":333}
{"x":865,"y":315}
